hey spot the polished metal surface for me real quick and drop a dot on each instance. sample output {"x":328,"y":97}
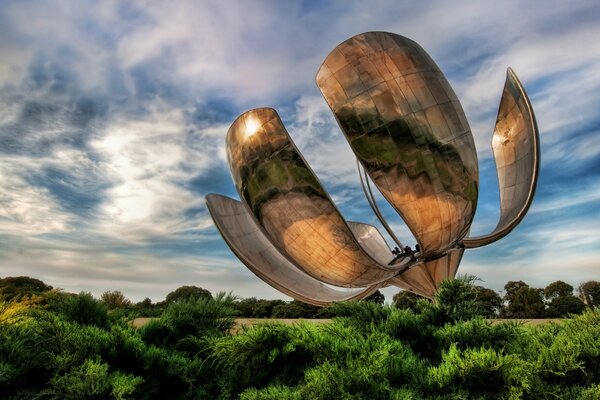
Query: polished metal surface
{"x":254,"y":249}
{"x":371,"y":241}
{"x":364,"y":182}
{"x":425,"y":278}
{"x":516,"y":150}
{"x":407,"y":128}
{"x":290,"y":205}
{"x":411,"y":138}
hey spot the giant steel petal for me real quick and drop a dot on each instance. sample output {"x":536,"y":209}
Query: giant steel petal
{"x":255,"y":250}
{"x":516,"y":150}
{"x":292,"y":208}
{"x":408,"y":130}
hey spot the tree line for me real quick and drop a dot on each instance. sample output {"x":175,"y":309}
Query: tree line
{"x":557,"y":300}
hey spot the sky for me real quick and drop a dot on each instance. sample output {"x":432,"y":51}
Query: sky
{"x":113,"y":118}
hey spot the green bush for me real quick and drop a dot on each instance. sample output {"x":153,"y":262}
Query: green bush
{"x":68,"y":348}
{"x":478,"y":333}
{"x":85,"y":310}
{"x":196,"y":317}
{"x":483,"y":372}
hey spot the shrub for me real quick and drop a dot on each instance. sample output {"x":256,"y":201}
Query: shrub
{"x":483,"y":372}
{"x":455,"y":300}
{"x":197,"y":317}
{"x":85,"y":310}
{"x":361,"y":314}
{"x":478,"y":333}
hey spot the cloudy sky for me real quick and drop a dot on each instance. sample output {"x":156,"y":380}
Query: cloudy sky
{"x":113,"y":118}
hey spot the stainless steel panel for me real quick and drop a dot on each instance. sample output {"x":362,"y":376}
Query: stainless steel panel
{"x":515,"y":144}
{"x":424,"y":278}
{"x":292,"y":208}
{"x":254,"y":249}
{"x":407,"y":128}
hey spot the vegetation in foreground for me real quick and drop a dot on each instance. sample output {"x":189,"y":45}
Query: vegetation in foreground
{"x":71,"y":346}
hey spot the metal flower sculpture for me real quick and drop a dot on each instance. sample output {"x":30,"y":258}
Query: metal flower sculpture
{"x":411,"y":139}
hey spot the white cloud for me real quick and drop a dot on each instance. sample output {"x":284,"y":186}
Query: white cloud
{"x":28,"y":210}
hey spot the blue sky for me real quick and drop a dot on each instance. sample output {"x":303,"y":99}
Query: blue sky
{"x":113,"y":118}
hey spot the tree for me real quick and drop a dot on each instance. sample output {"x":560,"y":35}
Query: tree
{"x":563,"y":306}
{"x":406,"y":299}
{"x":290,"y":310}
{"x":377,"y":297}
{"x":257,"y":308}
{"x":145,"y":304}
{"x":489,"y":301}
{"x":558,"y":289}
{"x":525,"y":302}
{"x":17,"y":287}
{"x":511,"y":288}
{"x":187,"y":293}
{"x":589,"y":293}
{"x":115,"y":299}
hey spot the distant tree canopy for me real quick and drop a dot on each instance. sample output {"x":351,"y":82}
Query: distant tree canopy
{"x":184,"y":293}
{"x":589,"y":293}
{"x":520,"y":301}
{"x":563,"y":306}
{"x":560,"y":300}
{"x":254,"y":308}
{"x":523,"y":301}
{"x":558,"y":289}
{"x":115,"y":299}
{"x":377,"y":297}
{"x":406,"y":300}
{"x":489,"y":301}
{"x":17,"y":287}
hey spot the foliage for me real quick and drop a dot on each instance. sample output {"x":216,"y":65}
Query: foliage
{"x":524,"y":302}
{"x":184,"y":293}
{"x":67,"y":346}
{"x":18,"y":287}
{"x":115,"y":299}
{"x":85,"y":310}
{"x":376,"y":297}
{"x":185,"y":320}
{"x":562,"y":306}
{"x":406,"y":300}
{"x":455,"y":300}
{"x":558,"y":289}
{"x":489,"y":301}
{"x":589,"y":293}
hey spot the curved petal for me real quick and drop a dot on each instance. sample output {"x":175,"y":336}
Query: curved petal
{"x":254,"y":249}
{"x":516,"y":150}
{"x":424,"y":278}
{"x":374,"y":244}
{"x":291,"y":207}
{"x":408,"y":130}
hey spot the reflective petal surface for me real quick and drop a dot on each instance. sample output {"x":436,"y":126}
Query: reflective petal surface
{"x":254,"y":249}
{"x":292,"y":208}
{"x":516,"y":150}
{"x":425,"y":278}
{"x":408,"y":130}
